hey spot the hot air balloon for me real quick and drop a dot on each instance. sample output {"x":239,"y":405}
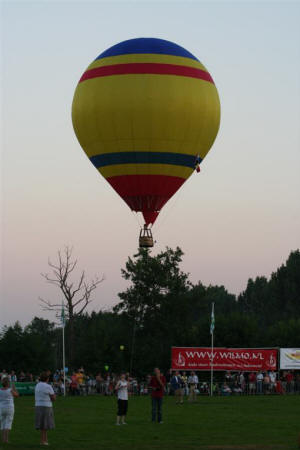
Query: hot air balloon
{"x":146,"y":112}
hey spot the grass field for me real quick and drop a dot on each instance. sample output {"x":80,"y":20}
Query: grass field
{"x":266,"y":422}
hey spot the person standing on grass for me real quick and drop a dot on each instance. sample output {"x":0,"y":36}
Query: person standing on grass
{"x":122,"y":392}
{"x":157,"y":385}
{"x":44,"y":396}
{"x":74,"y":389}
{"x":7,"y":407}
{"x":185,"y":383}
{"x":272,"y":376}
{"x":252,"y":383}
{"x":193,"y":384}
{"x":99,"y":381}
{"x":266,"y":383}
{"x":259,"y":382}
{"x":176,"y":384}
{"x":13,"y":377}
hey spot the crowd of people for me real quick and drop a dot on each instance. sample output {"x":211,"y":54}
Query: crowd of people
{"x":238,"y":383}
{"x":267,"y":382}
{"x":179,"y":384}
{"x":189,"y":384}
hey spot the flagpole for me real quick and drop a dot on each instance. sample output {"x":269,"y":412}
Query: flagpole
{"x":64,"y":358}
{"x":63,"y":322}
{"x":212,"y":326}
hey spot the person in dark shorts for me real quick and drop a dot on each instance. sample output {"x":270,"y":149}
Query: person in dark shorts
{"x":44,"y":396}
{"x":122,"y":392}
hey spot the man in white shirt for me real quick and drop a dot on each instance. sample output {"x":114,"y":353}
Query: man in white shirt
{"x":193,"y":383}
{"x":272,"y":376}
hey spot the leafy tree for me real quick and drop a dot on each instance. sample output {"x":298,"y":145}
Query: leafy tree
{"x":161,"y":308}
{"x":271,"y":301}
{"x":30,"y":349}
{"x":152,"y":278}
{"x":285,"y":288}
{"x":12,"y":347}
{"x":255,"y":299}
{"x":157,"y":285}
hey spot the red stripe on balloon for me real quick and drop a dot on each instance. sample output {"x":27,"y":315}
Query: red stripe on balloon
{"x":145,"y":193}
{"x":146,"y":68}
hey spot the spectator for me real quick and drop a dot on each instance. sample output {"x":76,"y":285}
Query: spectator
{"x":56,"y":376}
{"x":215,"y":389}
{"x":272,"y":376}
{"x":225,"y":390}
{"x":283,"y":382}
{"x":108,"y":385}
{"x":193,"y":384}
{"x":176,"y":384}
{"x":266,"y":383}
{"x":237,"y":388}
{"x":204,"y":389}
{"x":7,"y":409}
{"x":81,"y":380}
{"x":279,"y":388}
{"x":289,"y":378}
{"x":4,"y":374}
{"x":91,"y":384}
{"x":74,"y":385}
{"x":13,"y":377}
{"x":228,"y":378}
{"x":22,"y":377}
{"x":157,"y":384}
{"x":242,"y":381}
{"x":252,"y":383}
{"x":184,"y":379}
{"x":44,"y":418}
{"x":61,"y":386}
{"x":122,"y":393}
{"x":28,"y":377}
{"x":297,"y":382}
{"x":259,"y":382}
{"x":99,"y":381}
{"x":143,"y":389}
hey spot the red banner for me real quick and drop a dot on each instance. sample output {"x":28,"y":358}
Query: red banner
{"x":241,"y":359}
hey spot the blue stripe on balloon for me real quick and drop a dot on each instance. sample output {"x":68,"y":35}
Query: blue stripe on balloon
{"x":176,"y":159}
{"x":147,"y":45}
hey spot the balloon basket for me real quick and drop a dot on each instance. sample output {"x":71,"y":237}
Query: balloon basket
{"x":146,"y":238}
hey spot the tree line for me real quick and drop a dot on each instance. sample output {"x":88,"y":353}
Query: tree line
{"x":161,"y":308}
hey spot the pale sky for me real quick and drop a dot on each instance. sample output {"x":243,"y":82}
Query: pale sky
{"x":238,"y":218}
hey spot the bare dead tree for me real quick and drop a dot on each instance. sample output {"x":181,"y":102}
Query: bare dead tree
{"x":76,"y":295}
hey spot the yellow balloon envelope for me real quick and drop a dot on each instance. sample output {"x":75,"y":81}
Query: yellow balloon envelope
{"x":146,"y":112}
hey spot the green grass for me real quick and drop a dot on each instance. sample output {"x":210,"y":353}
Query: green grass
{"x":266,"y":422}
